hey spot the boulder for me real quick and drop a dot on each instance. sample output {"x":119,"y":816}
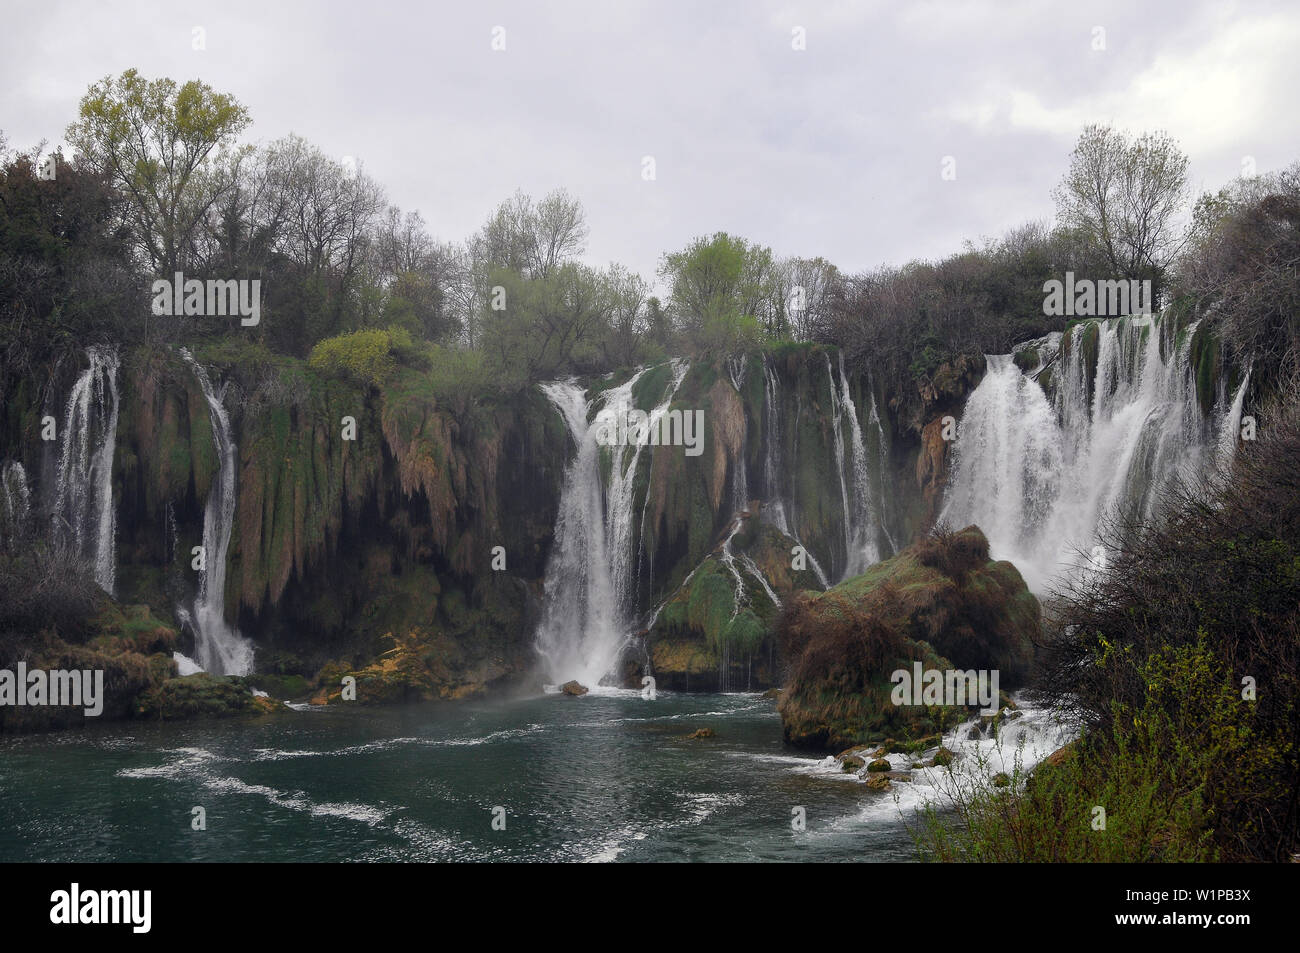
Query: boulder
{"x":880,"y":764}
{"x":942,"y":758}
{"x":941,"y":602}
{"x":573,"y":688}
{"x":699,"y":733}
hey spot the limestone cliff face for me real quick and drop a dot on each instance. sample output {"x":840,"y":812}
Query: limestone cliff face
{"x":371,"y":518}
{"x":921,"y":431}
{"x":360,"y":514}
{"x":728,"y":419}
{"x":932,"y":468}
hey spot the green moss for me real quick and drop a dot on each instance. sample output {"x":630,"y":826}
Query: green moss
{"x":195,"y":696}
{"x":1026,"y":359}
{"x":1207,"y":366}
{"x":941,"y":601}
{"x":651,"y":387}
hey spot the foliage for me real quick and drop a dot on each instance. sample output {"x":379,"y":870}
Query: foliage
{"x":1242,"y":262}
{"x":1158,"y":772}
{"x":1123,"y":195}
{"x":155,"y":140}
{"x":1215,"y":576}
{"x":366,"y":356}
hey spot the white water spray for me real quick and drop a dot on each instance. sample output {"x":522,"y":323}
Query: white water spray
{"x":83,"y":510}
{"x":863,"y":526}
{"x":15,"y":501}
{"x":1040,"y":480}
{"x":590,"y":575}
{"x":221,"y":650}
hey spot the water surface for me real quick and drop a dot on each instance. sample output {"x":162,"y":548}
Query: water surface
{"x":608,"y":776}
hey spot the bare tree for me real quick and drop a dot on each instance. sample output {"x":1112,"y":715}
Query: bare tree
{"x":1125,"y":195}
{"x":557,"y":232}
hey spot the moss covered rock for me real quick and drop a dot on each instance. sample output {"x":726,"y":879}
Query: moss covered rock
{"x":196,"y":696}
{"x":941,"y":602}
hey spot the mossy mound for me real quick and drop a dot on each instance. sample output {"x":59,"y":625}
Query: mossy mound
{"x":420,"y":665}
{"x":715,"y":631}
{"x":197,"y":696}
{"x":941,"y":602}
{"x":127,"y":643}
{"x":1027,"y":359}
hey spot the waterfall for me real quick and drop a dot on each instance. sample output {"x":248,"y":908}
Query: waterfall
{"x":15,"y":501}
{"x":1231,"y":429}
{"x":590,"y":575}
{"x":221,"y":650}
{"x":774,"y":511}
{"x":1040,"y":478}
{"x":736,"y":367}
{"x":862,"y":520}
{"x":83,"y":512}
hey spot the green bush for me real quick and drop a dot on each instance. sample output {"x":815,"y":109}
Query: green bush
{"x":1162,"y":776}
{"x":367,"y":356}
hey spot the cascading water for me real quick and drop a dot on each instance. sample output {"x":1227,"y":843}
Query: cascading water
{"x":15,"y":501}
{"x":774,"y":511}
{"x":1041,"y":480}
{"x":736,"y":368}
{"x":1231,"y":428}
{"x":590,"y":577}
{"x":83,"y":511}
{"x":863,"y":525}
{"x":221,"y":650}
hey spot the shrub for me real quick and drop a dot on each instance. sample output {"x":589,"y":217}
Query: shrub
{"x":366,"y":356}
{"x":1159,"y":772}
{"x":1151,"y":658}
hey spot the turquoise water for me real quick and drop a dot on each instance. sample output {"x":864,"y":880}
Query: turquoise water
{"x":602,"y":777}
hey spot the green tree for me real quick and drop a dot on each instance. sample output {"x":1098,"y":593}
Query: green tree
{"x":167,"y":147}
{"x":720,"y":290}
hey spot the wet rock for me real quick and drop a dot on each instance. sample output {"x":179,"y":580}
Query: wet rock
{"x":942,"y":758}
{"x":878,"y":782}
{"x":1060,"y":756}
{"x":573,"y":688}
{"x":851,"y":764}
{"x":879,"y":765}
{"x":699,"y":733}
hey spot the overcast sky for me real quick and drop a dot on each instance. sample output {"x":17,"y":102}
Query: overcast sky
{"x":834,"y":150}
